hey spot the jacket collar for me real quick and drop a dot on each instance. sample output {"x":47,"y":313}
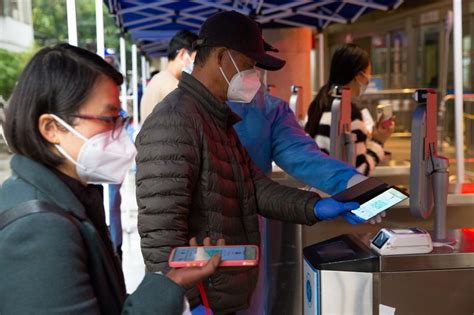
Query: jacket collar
{"x":221,"y":112}
{"x":48,"y":183}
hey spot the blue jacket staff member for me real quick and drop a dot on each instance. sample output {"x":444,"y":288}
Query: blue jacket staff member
{"x":63,"y":125}
{"x":194,"y":177}
{"x":269,"y":131}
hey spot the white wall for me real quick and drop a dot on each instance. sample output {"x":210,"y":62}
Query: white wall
{"x":14,"y":35}
{"x":16,"y":29}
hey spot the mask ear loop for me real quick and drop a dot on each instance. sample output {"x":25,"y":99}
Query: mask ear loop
{"x":76,"y":133}
{"x":69,"y":157}
{"x":235,"y":65}
{"x":365,"y":76}
{"x":188,"y":56}
{"x":225,"y":77}
{"x":68,"y":127}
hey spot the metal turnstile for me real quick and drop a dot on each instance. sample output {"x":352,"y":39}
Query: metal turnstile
{"x":343,"y":275}
{"x":342,"y":141}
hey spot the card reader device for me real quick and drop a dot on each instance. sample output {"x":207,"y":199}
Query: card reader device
{"x":402,"y":241}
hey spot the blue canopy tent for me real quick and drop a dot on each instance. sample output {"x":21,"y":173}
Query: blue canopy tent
{"x":152,"y":23}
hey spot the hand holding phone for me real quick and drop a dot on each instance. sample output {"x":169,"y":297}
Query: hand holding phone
{"x":384,"y":115}
{"x":374,"y":197}
{"x":189,"y":277}
{"x":379,"y":203}
{"x":240,"y":255}
{"x":385,"y":124}
{"x":329,"y":209}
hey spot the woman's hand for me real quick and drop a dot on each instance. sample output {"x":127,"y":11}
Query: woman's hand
{"x":190,"y":276}
{"x":383,"y":129}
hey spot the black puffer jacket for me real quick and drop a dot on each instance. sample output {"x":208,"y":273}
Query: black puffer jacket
{"x":194,"y":178}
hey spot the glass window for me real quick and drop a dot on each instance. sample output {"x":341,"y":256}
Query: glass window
{"x":9,"y":8}
{"x":380,"y":62}
{"x":428,"y":56}
{"x":15,"y":13}
{"x":398,"y":60}
{"x":466,"y":62}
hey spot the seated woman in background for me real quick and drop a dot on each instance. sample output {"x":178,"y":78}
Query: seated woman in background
{"x":63,"y":125}
{"x":350,"y":67}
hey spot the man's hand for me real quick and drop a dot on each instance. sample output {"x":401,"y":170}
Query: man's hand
{"x":190,"y":276}
{"x":354,"y":180}
{"x":377,"y":218}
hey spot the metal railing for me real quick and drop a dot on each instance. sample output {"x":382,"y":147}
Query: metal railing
{"x":446,"y":115}
{"x":402,"y":104}
{"x":446,"y":121}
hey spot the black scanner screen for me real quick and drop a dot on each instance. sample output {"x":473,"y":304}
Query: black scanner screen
{"x":380,"y":240}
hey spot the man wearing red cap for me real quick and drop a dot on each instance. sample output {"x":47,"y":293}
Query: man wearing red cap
{"x":194,"y":177}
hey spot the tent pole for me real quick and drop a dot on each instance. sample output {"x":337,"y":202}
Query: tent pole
{"x":321,"y":58}
{"x":99,"y":27}
{"x":458,"y":93}
{"x":135,"y":87}
{"x":71,"y":22}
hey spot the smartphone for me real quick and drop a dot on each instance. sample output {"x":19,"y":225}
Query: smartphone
{"x":381,"y":202}
{"x":240,"y":255}
{"x":373,"y":195}
{"x":367,"y":119}
{"x":387,"y":111}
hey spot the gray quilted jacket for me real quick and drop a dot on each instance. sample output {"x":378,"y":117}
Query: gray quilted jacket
{"x":194,"y":178}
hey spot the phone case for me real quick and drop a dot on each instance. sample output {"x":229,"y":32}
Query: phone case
{"x":387,"y":111}
{"x":227,"y":263}
{"x":386,"y":123}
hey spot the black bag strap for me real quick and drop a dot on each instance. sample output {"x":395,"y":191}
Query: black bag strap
{"x":33,"y":207}
{"x":106,"y":304}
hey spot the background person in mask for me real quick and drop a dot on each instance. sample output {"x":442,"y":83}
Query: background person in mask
{"x":63,"y":125}
{"x":350,"y":67}
{"x":180,"y":58}
{"x":194,"y":177}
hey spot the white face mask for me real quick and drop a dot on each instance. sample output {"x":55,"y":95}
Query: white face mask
{"x":190,"y":66}
{"x":101,"y":159}
{"x":243,"y":86}
{"x":363,"y":86}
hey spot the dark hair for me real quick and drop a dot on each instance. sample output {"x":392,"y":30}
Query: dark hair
{"x":202,"y":54}
{"x":346,"y":63}
{"x":153,"y":73}
{"x":182,"y":39}
{"x":56,"y":80}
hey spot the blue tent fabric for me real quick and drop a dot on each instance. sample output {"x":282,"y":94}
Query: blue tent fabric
{"x":152,"y":23}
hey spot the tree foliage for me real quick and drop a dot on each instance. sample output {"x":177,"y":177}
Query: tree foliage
{"x":11,"y":65}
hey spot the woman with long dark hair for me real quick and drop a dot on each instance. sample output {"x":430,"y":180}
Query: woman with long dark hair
{"x":350,"y":67}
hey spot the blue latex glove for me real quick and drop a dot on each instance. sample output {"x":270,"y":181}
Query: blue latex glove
{"x":329,"y":209}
